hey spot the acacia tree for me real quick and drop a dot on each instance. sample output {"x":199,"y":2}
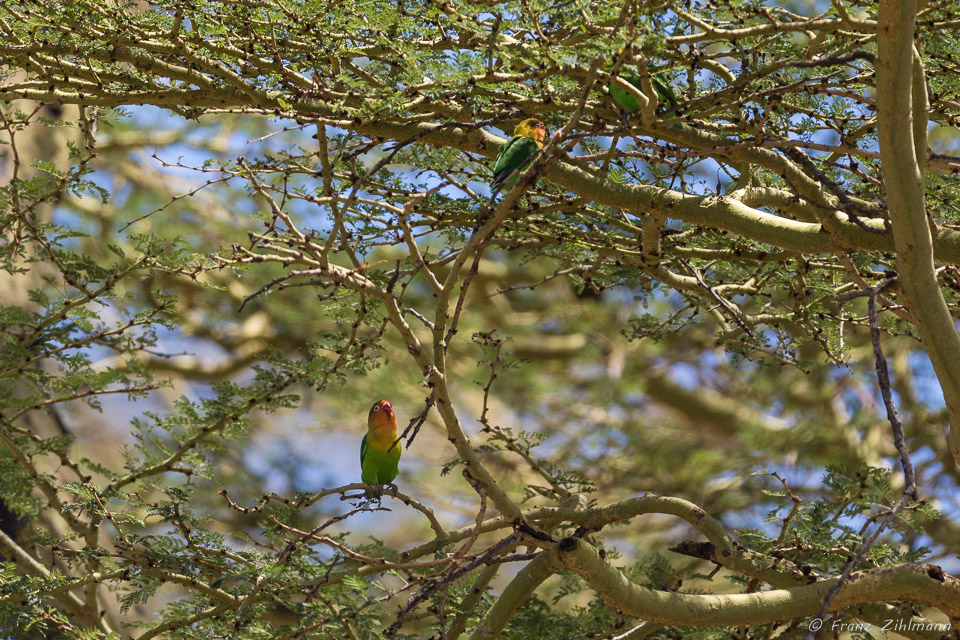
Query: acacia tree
{"x":667,"y":301}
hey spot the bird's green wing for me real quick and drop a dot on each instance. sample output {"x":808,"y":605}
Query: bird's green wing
{"x":378,"y":466}
{"x":666,"y":96}
{"x":665,"y":92}
{"x":623,"y":99}
{"x":513,"y":155}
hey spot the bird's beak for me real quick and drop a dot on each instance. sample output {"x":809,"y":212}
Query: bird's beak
{"x":387,"y":407}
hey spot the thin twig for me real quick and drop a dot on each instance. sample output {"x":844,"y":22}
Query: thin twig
{"x":910,"y":483}
{"x":416,"y":422}
{"x":716,"y":296}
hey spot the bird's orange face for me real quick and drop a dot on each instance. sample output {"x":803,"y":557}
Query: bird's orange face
{"x":540,"y":132}
{"x":532,"y":128}
{"x":381,"y":416}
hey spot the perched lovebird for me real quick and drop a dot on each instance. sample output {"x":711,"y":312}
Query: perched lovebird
{"x":515,"y":157}
{"x":666,"y":97}
{"x":379,"y":450}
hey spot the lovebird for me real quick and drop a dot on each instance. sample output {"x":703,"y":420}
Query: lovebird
{"x":379,"y":456}
{"x":666,"y":97}
{"x":515,"y":157}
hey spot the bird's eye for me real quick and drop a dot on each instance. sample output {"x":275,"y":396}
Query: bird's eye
{"x":376,"y":407}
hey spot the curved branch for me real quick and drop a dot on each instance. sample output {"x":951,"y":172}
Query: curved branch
{"x":784,"y":574}
{"x":900,"y":120}
{"x":908,"y":581}
{"x":515,"y":594}
{"x":721,"y":212}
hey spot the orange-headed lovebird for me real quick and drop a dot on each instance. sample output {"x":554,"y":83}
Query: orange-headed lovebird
{"x":379,"y":450}
{"x":515,"y":157}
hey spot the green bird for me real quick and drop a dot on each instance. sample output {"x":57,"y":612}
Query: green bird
{"x":666,"y":97}
{"x":516,"y":156}
{"x":380,"y":449}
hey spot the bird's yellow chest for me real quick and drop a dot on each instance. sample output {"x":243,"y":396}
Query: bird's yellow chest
{"x":381,"y":439}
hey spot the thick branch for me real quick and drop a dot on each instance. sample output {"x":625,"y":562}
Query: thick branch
{"x":515,"y":594}
{"x":784,"y":574}
{"x":907,"y":581}
{"x":903,"y":179}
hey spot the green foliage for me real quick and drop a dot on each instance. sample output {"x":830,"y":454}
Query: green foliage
{"x":185,"y":344}
{"x":823,"y":535}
